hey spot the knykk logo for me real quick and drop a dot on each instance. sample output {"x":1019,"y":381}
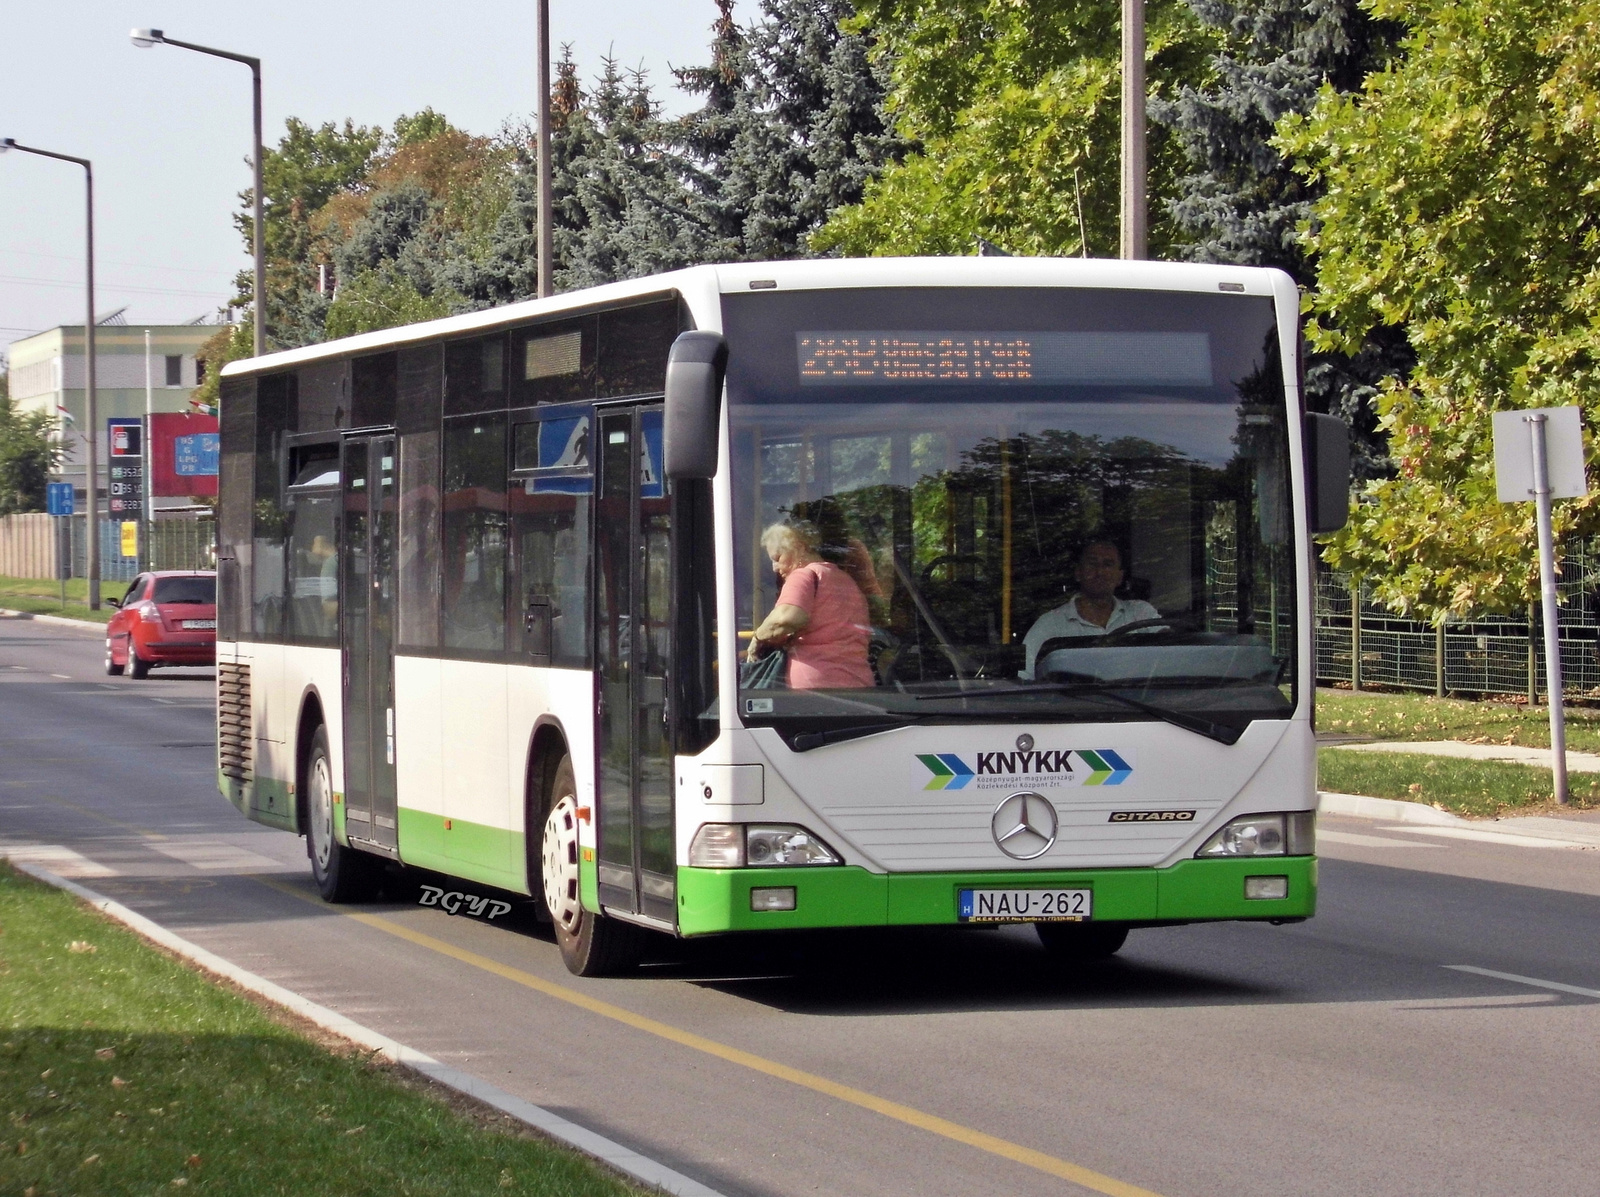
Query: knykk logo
{"x":1076,"y":766}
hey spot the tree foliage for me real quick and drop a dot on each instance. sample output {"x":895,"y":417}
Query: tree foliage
{"x":1016,"y":109}
{"x":28,"y":455}
{"x":1457,"y":202}
{"x":1240,"y":200}
{"x":423,"y":220}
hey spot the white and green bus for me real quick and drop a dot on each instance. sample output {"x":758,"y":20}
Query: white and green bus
{"x":488,"y":586}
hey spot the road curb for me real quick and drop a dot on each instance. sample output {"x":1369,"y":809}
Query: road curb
{"x":1401,"y":811}
{"x":62,"y":620}
{"x":1397,"y":809}
{"x":614,"y":1155}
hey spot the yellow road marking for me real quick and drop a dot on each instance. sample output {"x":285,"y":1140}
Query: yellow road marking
{"x":96,"y":815}
{"x":1086,"y":1177}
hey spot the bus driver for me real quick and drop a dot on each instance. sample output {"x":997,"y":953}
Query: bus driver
{"x":1095,"y":609}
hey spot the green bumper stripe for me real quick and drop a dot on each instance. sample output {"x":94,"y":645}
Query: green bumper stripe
{"x":474,"y":851}
{"x":712,"y":900}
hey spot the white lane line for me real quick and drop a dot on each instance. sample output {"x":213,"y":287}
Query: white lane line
{"x":63,"y":861}
{"x":1369,"y":841}
{"x":1521,"y":980}
{"x":623,"y":1159}
{"x":1486,"y":837}
{"x":66,"y":677}
{"x":213,"y":855}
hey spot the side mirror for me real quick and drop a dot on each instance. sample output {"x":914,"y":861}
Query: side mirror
{"x":695,"y":369}
{"x":1327,"y":472}
{"x":113,"y":602}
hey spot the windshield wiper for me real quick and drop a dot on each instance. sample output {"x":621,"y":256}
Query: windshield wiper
{"x":1220,"y":732}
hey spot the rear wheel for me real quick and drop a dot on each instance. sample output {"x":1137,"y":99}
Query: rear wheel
{"x":112,"y":667}
{"x":1077,"y":943}
{"x":138,"y":667}
{"x":342,"y":874}
{"x":591,"y":944}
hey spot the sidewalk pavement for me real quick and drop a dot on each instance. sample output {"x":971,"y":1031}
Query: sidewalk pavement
{"x":1578,"y":831}
{"x":1577,"y":762}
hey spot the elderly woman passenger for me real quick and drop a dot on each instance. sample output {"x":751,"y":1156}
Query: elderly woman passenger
{"x":820,"y":616}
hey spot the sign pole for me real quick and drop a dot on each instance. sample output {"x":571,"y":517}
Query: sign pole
{"x":1536,"y":422}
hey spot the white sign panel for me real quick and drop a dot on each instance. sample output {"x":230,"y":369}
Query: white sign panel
{"x":1513,"y":453}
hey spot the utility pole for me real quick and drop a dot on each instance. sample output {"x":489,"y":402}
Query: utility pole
{"x":546,"y":202}
{"x":1135,"y":230}
{"x":145,"y":39}
{"x":91,"y":412}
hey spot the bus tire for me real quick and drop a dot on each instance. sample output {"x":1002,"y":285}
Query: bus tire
{"x":1077,"y":943}
{"x":342,"y":874}
{"x":591,"y":944}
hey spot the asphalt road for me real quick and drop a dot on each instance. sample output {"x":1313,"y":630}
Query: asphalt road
{"x":1341,"y":1056}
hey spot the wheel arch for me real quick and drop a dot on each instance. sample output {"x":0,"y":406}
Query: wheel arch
{"x":547,"y":744}
{"x":311,"y":717}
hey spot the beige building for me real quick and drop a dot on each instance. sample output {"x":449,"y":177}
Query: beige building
{"x":47,"y":374}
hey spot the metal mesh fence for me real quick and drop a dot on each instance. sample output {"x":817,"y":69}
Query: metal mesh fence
{"x":1489,"y":654}
{"x":173,"y":544}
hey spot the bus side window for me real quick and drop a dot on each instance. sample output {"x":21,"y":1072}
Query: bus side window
{"x":550,"y":546}
{"x":314,"y":573}
{"x":277,"y":411}
{"x":474,"y":532}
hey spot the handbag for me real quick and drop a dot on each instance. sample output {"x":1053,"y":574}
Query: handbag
{"x":769,"y":672}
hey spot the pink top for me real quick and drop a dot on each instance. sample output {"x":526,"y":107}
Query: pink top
{"x":832,"y":652}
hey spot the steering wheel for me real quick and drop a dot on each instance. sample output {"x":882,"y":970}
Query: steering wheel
{"x":1177,"y":623}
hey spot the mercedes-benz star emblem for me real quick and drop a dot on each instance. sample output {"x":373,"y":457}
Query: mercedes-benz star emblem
{"x":1024,"y":825}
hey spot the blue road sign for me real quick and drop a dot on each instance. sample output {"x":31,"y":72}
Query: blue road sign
{"x":195,"y":455}
{"x":58,"y":498}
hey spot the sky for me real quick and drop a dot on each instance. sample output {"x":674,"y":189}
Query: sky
{"x":168,"y":130}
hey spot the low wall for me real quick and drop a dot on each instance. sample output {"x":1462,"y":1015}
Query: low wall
{"x":28,"y":546}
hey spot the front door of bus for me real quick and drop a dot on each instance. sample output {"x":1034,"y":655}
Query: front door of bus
{"x":367,"y":628}
{"x":632,"y":628}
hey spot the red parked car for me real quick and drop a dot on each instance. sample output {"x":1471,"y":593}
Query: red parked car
{"x":166,"y":618}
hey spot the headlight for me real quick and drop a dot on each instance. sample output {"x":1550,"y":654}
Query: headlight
{"x":759,"y":845}
{"x":717,"y":846}
{"x":785,"y":845}
{"x":1291,"y":834}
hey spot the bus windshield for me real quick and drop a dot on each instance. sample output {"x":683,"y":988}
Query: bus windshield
{"x":1010,"y":505}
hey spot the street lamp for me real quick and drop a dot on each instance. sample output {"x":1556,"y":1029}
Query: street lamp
{"x":546,"y":207}
{"x":146,"y":39}
{"x":1135,"y":226}
{"x":91,"y":413}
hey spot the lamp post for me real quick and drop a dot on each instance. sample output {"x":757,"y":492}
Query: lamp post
{"x":1135,"y":226}
{"x":546,"y":205}
{"x":91,"y":413}
{"x":146,"y":39}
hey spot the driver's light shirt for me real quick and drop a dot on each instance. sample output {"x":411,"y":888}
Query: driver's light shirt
{"x":1065,"y":620}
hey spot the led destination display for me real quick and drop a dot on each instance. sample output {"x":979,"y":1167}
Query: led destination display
{"x":857,"y":358}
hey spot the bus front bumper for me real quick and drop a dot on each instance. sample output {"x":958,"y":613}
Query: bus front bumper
{"x":713,"y":900}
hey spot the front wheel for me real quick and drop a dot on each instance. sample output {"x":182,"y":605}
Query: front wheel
{"x":1079,"y":943}
{"x":591,"y":944}
{"x":112,"y":667}
{"x":342,"y":874}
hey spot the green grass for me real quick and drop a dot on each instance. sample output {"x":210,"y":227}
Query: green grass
{"x":122,"y":1071}
{"x":1423,"y":717}
{"x":1466,"y":787}
{"x":42,"y":596}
